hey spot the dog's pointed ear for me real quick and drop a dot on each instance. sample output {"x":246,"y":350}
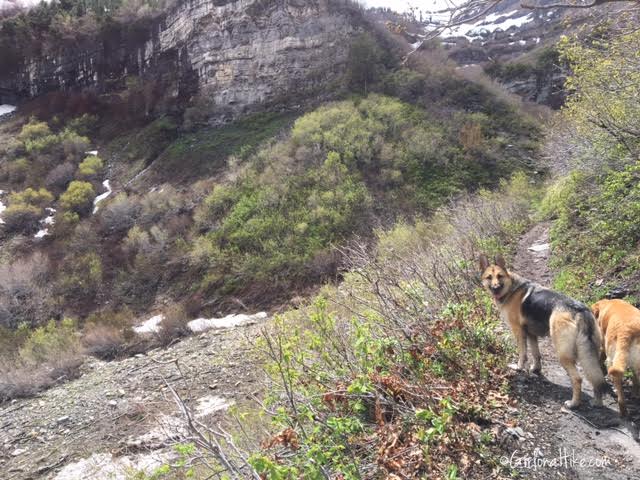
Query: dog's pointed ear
{"x":595,"y":309}
{"x":499,"y":261}
{"x":483,"y":262}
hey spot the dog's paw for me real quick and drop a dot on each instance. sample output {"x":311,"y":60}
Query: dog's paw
{"x":516,"y":367}
{"x":571,"y":405}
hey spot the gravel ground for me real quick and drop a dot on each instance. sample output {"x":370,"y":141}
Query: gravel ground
{"x":120,"y":416}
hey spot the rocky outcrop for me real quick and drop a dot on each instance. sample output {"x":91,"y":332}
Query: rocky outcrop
{"x":240,"y":54}
{"x":546,"y":90}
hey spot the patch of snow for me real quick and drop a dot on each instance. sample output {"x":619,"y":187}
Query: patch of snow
{"x":539,"y":247}
{"x":203,"y":324}
{"x":104,"y":466}
{"x":487,"y":25}
{"x":91,"y":152}
{"x":102,"y":196}
{"x":48,"y":220}
{"x":200,"y":325}
{"x":168,"y":428}
{"x":5,"y":109}
{"x":537,"y":39}
{"x":208,"y":405}
{"x":522,"y":42}
{"x":149,"y":326}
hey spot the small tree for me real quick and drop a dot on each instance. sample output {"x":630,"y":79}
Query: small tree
{"x":90,"y":167}
{"x":364,"y":63}
{"x":21,"y":218}
{"x":25,"y":209}
{"x":31,"y":196}
{"x":78,"y":197}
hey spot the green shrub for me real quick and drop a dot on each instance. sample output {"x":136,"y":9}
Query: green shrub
{"x":78,"y":197}
{"x":277,"y":222}
{"x":34,"y":130}
{"x":73,"y":145}
{"x":90,"y":167}
{"x":30,"y":196}
{"x":81,"y":277}
{"x":405,"y":84}
{"x":382,"y":339}
{"x":22,"y":218}
{"x":269,"y":234}
{"x":84,"y":124}
{"x":18,"y":170}
{"x":50,"y":341}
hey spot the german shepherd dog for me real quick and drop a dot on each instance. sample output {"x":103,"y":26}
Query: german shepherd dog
{"x":533,"y":311}
{"x":619,"y":324}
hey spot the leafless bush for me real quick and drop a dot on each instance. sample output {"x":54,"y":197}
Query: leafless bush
{"x":59,"y":178}
{"x":25,"y":292}
{"x":565,"y":150}
{"x":212,"y":441}
{"x":119,"y":215}
{"x":21,"y":381}
{"x":416,"y":270}
{"x":173,"y":325}
{"x":104,"y":341}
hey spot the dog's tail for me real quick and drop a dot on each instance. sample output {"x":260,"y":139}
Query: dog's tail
{"x":589,"y":345}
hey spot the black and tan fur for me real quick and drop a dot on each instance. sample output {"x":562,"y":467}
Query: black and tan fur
{"x":533,"y":311}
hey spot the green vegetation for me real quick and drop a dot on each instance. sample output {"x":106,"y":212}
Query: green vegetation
{"x":48,"y":341}
{"x":43,"y":157}
{"x":78,"y":197}
{"x":205,"y":152}
{"x":90,"y":167}
{"x":255,"y":211}
{"x":25,"y":209}
{"x":596,"y":206}
{"x":342,"y":165}
{"x":365,"y":63}
{"x":546,"y":62}
{"x":353,"y":371}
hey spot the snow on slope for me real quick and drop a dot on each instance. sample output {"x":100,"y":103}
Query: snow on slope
{"x":489,"y":24}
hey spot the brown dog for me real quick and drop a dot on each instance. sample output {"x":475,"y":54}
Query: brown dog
{"x":619,"y":323}
{"x":533,"y":311}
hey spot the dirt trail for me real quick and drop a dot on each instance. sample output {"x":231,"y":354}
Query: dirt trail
{"x":590,"y":443}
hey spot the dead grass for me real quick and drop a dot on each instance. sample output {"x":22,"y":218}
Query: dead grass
{"x":173,"y":325}
{"x":20,"y":381}
{"x":104,"y":341}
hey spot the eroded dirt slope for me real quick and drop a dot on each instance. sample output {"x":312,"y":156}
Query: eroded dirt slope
{"x":119,"y":416}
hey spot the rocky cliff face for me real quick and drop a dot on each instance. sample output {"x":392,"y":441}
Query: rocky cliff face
{"x":544,"y":89}
{"x":241,"y":54}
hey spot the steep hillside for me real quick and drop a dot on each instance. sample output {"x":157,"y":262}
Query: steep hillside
{"x":114,"y":218}
{"x":177,"y":170}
